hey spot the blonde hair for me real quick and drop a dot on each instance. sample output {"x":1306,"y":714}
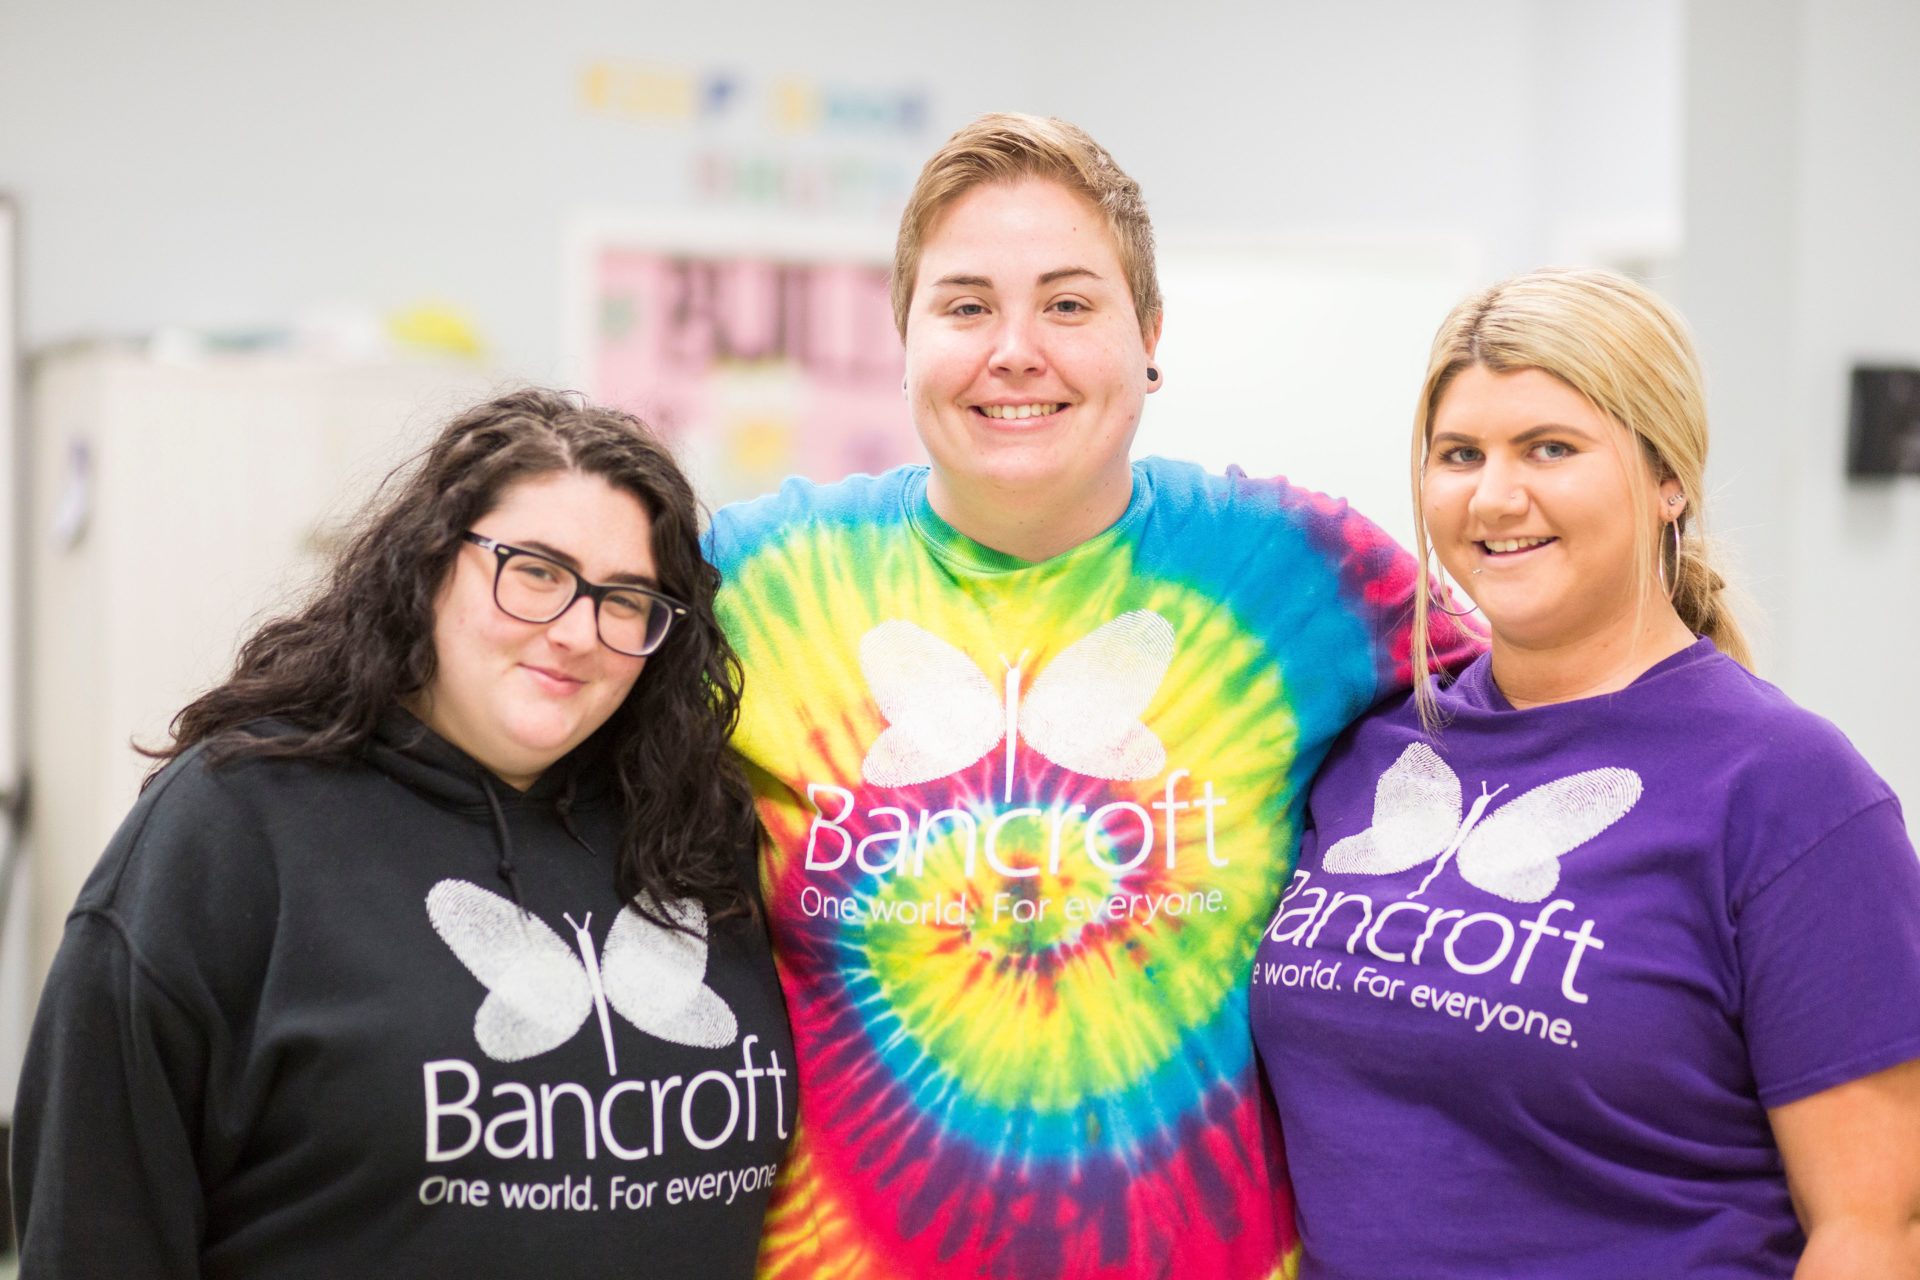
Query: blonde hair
{"x":1628,"y":353}
{"x":1007,"y":147}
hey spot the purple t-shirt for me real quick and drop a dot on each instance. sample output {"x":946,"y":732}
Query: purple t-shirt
{"x":1537,"y":979}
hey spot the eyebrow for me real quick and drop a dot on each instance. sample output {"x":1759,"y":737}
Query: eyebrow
{"x":1051,"y":277}
{"x":1525,"y":437}
{"x":558,"y":556}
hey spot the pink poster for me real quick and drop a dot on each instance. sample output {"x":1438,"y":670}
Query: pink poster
{"x":755,"y":368}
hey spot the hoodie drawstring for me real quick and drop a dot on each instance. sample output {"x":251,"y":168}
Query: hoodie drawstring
{"x":505,"y":866}
{"x":563,"y":809}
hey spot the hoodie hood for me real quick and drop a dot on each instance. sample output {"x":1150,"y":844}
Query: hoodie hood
{"x":410,"y":753}
{"x":405,"y":749}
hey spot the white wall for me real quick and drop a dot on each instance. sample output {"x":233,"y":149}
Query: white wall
{"x":208,"y":162}
{"x":1801,"y":258}
{"x":218,"y":164}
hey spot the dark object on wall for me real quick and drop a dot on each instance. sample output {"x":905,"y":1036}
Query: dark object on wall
{"x":1883,"y":430}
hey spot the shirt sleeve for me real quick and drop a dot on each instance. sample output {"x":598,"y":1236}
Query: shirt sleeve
{"x":105,"y":1178}
{"x":1380,"y":576}
{"x":716,"y":540}
{"x":1829,"y":952}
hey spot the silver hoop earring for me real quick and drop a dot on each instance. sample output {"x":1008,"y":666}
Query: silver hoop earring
{"x":1435,"y":603}
{"x":1660,"y":565}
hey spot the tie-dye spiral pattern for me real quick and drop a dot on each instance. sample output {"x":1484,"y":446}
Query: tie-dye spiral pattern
{"x":1026,"y":823}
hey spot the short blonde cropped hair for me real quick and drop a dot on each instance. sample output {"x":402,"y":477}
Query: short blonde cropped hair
{"x":1008,"y":147}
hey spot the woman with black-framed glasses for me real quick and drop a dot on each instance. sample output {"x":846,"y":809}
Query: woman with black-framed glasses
{"x":434,"y":945}
{"x":536,"y":587}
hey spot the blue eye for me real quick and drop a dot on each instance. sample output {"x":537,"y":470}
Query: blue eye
{"x":1460,"y":456}
{"x":967,"y":310}
{"x":1552,"y":450}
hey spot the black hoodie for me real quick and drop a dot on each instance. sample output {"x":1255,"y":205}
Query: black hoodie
{"x":263,"y":1049}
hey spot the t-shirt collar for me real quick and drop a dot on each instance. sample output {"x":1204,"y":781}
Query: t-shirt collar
{"x":957,"y":549}
{"x":1474,"y":689}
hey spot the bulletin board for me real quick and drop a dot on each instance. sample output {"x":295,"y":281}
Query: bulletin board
{"x":760,"y":350}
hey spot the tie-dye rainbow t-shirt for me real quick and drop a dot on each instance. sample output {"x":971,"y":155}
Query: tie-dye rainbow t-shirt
{"x":1026,"y":822}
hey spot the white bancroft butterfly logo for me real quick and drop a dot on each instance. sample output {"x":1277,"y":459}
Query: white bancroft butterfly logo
{"x":539,"y":991}
{"x":1513,"y":852}
{"x":1083,"y":712}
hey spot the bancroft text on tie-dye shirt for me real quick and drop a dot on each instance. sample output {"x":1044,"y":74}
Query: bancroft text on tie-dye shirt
{"x":1027,"y":821}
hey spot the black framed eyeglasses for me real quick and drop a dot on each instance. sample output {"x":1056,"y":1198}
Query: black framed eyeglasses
{"x":535,"y":588}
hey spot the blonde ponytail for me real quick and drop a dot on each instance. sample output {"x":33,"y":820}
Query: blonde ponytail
{"x":1700,"y":597}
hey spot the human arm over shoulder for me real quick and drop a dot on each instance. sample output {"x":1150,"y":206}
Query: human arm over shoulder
{"x":1383,"y":576}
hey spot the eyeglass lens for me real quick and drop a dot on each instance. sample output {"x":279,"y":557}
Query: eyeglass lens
{"x":536,"y":590}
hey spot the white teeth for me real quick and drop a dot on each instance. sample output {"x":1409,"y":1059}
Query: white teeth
{"x":1513,"y":544}
{"x":1019,"y":410}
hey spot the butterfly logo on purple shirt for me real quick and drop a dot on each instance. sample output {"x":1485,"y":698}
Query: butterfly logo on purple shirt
{"x":1513,"y":851}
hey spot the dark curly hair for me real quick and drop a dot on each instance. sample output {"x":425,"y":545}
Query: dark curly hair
{"x":332,"y":669}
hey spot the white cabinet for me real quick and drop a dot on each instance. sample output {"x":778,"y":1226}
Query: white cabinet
{"x":171,"y":507}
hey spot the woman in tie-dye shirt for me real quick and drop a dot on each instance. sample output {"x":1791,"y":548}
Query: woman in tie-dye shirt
{"x":1030,"y":729}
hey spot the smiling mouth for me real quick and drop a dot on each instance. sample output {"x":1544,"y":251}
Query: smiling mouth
{"x":553,"y":678}
{"x":1009,"y":411}
{"x":1512,"y":546}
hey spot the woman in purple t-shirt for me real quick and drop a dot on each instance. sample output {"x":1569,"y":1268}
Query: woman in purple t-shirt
{"x":1604,"y":958}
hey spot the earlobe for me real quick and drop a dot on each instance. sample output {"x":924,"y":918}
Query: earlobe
{"x":1154,"y":379}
